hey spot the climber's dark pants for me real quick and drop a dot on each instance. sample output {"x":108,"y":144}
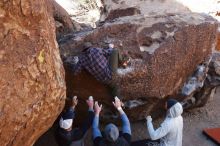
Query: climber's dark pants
{"x":113,"y":60}
{"x":113,"y":64}
{"x":115,"y":91}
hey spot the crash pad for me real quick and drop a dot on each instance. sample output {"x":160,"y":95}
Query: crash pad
{"x":213,"y":133}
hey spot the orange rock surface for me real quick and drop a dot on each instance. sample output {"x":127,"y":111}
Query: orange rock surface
{"x":32,"y":86}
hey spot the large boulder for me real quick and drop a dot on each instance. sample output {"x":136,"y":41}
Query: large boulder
{"x":218,"y":41}
{"x":85,"y":12}
{"x":63,"y":22}
{"x":165,"y":51}
{"x":32,"y":84}
{"x":119,"y":8}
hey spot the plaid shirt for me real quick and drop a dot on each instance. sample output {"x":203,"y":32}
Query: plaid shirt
{"x":95,"y":61}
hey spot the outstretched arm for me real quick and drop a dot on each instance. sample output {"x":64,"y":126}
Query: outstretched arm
{"x":89,"y":120}
{"x":107,"y":52}
{"x":158,"y":133}
{"x":74,"y":102}
{"x":95,"y":126}
{"x":126,"y":128}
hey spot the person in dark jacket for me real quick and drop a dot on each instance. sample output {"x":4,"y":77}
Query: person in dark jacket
{"x":65,"y":133}
{"x":111,"y":136}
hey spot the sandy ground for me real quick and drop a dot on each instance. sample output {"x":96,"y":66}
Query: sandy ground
{"x":194,"y":122}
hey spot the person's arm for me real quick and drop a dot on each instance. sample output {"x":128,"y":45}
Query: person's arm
{"x":71,"y":110}
{"x":97,"y":136}
{"x":75,"y":64}
{"x":158,"y":133}
{"x":126,"y":127}
{"x":74,"y":103}
{"x":107,"y":52}
{"x":95,"y":128}
{"x":77,"y":67}
{"x":95,"y":125}
{"x":89,"y":120}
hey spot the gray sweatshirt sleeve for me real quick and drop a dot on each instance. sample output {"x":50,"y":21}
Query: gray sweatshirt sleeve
{"x":158,"y":133}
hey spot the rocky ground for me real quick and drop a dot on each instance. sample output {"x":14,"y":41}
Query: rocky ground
{"x":198,"y":119}
{"x":82,"y":11}
{"x":194,"y":122}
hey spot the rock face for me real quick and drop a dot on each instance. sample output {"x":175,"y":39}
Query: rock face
{"x":165,"y":51}
{"x":201,"y":86}
{"x":64,"y":24}
{"x":85,"y":12}
{"x":32,"y":82}
{"x":218,"y":41}
{"x":117,"y":8}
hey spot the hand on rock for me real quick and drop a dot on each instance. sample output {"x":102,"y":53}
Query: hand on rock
{"x":111,"y":45}
{"x":118,"y":104}
{"x":149,"y":119}
{"x":75,"y":59}
{"x":74,"y":101}
{"x":97,"y":108}
{"x":90,"y":102}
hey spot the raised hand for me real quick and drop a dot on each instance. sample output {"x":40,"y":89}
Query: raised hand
{"x":74,"y":101}
{"x":149,"y":119}
{"x":117,"y":104}
{"x":90,"y":102}
{"x":97,"y":108}
{"x":111,"y":45}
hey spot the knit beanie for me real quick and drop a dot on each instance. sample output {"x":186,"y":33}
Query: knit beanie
{"x":171,"y":102}
{"x":111,"y":133}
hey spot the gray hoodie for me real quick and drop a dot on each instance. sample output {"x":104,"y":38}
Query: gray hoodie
{"x":170,"y":131}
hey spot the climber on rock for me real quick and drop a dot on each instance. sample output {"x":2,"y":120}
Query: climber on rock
{"x":170,"y":131}
{"x":111,"y":136}
{"x":66,"y":134}
{"x":101,"y":63}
